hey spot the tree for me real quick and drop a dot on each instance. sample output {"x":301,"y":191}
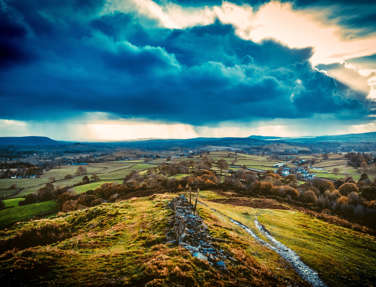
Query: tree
{"x":309,"y":196}
{"x":46,"y":193}
{"x":68,"y":176}
{"x":85,"y":179}
{"x":222,"y":164}
{"x":94,"y":177}
{"x":347,"y":188}
{"x":81,"y":170}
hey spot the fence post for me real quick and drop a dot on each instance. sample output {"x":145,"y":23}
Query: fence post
{"x":194,"y":210}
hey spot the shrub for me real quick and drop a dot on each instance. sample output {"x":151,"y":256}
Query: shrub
{"x":85,"y":179}
{"x":68,"y":176}
{"x":339,"y":182}
{"x":29,"y":198}
{"x":264,"y":187}
{"x":354,"y":197}
{"x":369,"y":192}
{"x":94,"y":177}
{"x":342,"y":204}
{"x":293,"y":192}
{"x":359,"y":210}
{"x":322,"y":184}
{"x":86,"y":199}
{"x":68,"y":195}
{"x":308,"y":196}
{"x":286,"y":190}
{"x":364,"y":180}
{"x":332,"y":195}
{"x":290,"y":178}
{"x":2,"y":205}
{"x":323,"y":201}
{"x":46,"y":193}
{"x":347,"y":188}
{"x":81,"y":170}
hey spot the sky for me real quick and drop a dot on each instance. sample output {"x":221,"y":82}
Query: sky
{"x":110,"y":70}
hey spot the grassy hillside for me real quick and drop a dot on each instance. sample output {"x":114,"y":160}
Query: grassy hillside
{"x":125,"y":243}
{"x":341,"y":256}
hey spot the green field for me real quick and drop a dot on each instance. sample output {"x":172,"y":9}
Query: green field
{"x":12,"y":202}
{"x":93,"y":185}
{"x":107,"y":171}
{"x":19,"y":213}
{"x":340,"y":255}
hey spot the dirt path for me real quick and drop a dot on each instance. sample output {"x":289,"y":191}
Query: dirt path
{"x":289,"y":255}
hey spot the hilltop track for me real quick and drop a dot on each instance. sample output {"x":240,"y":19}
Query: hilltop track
{"x":304,"y":271}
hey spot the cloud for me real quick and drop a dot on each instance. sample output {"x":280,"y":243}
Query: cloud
{"x":308,"y":27}
{"x":89,"y":57}
{"x":358,"y":73}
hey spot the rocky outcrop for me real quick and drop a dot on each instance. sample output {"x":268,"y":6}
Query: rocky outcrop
{"x":191,"y":232}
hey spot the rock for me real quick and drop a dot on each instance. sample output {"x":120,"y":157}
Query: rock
{"x":192,"y":233}
{"x":200,"y":256}
{"x":221,"y":264}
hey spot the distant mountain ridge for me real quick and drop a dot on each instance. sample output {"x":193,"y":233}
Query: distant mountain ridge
{"x":28,"y":140}
{"x":235,"y":142}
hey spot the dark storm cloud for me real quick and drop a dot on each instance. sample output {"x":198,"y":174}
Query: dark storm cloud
{"x":12,"y":39}
{"x":126,"y":65}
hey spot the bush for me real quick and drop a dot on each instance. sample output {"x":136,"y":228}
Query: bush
{"x":359,"y":210}
{"x":332,"y":195}
{"x":339,"y":182}
{"x":2,"y":205}
{"x":342,"y":204}
{"x":322,"y":184}
{"x":354,"y":197}
{"x":369,"y":192}
{"x":347,"y":188}
{"x":46,"y":193}
{"x":85,"y":180}
{"x":86,"y":199}
{"x":364,"y":180}
{"x":29,"y":198}
{"x":286,"y":190}
{"x":81,"y":170}
{"x":68,"y":176}
{"x":264,"y":187}
{"x":323,"y":201}
{"x":292,"y":192}
{"x":309,"y":196}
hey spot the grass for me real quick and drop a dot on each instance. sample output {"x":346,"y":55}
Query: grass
{"x":93,"y":185}
{"x":124,"y":243}
{"x":329,"y":175}
{"x":14,"y":214}
{"x":107,"y":171}
{"x":13,"y":202}
{"x":341,"y":256}
{"x":180,"y":175}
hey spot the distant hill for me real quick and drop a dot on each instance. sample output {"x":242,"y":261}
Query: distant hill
{"x":348,"y":142}
{"x":362,"y":137}
{"x":32,"y":140}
